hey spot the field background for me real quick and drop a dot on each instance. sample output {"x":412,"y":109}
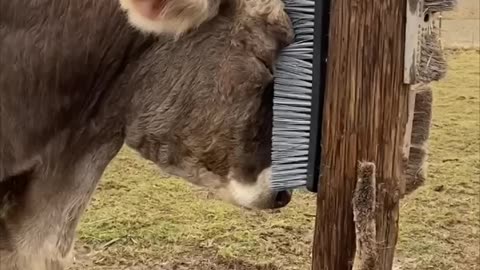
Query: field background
{"x":141,"y":219}
{"x":461,"y":27}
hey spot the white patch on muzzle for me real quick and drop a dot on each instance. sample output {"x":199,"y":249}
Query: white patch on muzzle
{"x":255,"y":195}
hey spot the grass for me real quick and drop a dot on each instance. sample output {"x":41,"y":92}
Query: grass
{"x":141,"y":219}
{"x":441,"y":221}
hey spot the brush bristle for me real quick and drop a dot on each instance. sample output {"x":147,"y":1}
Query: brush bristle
{"x":292,"y":100}
{"x":432,"y":65}
{"x":440,"y":5}
{"x":292,"y":103}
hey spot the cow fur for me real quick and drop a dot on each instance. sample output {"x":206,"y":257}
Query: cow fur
{"x":77,"y":81}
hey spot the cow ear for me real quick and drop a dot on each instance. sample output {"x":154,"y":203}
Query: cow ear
{"x":169,"y":16}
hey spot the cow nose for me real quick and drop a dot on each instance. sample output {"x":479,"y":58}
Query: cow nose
{"x":282,"y":198}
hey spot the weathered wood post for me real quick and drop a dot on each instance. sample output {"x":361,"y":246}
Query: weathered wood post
{"x":366,"y":114}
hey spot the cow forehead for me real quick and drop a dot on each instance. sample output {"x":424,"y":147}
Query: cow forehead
{"x":272,"y":12}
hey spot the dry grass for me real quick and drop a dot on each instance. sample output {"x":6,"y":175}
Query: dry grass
{"x":140,"y":219}
{"x":440,"y":222}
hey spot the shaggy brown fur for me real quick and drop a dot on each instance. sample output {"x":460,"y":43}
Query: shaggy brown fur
{"x":364,"y":205}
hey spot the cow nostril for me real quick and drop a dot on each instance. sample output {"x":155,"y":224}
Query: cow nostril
{"x":282,"y":198}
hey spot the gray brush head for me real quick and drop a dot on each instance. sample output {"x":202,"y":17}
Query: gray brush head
{"x":294,"y":85}
{"x":292,"y":100}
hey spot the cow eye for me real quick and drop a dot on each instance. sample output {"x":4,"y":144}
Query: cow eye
{"x":266,"y":65}
{"x":267,"y":94}
{"x":269,"y":86}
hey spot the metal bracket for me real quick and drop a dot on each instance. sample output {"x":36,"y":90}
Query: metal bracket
{"x":415,"y":18}
{"x":420,"y":20}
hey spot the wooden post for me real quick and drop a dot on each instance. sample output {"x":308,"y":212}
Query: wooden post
{"x":365,"y":119}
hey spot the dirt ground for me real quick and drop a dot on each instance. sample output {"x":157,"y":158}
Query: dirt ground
{"x":140,"y":219}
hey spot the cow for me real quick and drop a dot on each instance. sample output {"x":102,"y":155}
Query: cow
{"x":185,"y":83}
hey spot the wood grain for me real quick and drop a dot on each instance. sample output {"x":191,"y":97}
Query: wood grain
{"x":365,"y":117}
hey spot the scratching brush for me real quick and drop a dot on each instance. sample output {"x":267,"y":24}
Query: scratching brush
{"x":431,"y":65}
{"x":298,"y":97}
{"x":299,"y":87}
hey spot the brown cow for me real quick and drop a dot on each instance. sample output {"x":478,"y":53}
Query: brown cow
{"x":77,"y":81}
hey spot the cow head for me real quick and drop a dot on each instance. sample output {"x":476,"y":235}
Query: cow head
{"x":204,"y":111}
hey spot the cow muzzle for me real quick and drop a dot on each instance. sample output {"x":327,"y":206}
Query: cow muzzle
{"x":254,"y":195}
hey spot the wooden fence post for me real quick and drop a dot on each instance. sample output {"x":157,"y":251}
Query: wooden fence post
{"x":365,"y":118}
